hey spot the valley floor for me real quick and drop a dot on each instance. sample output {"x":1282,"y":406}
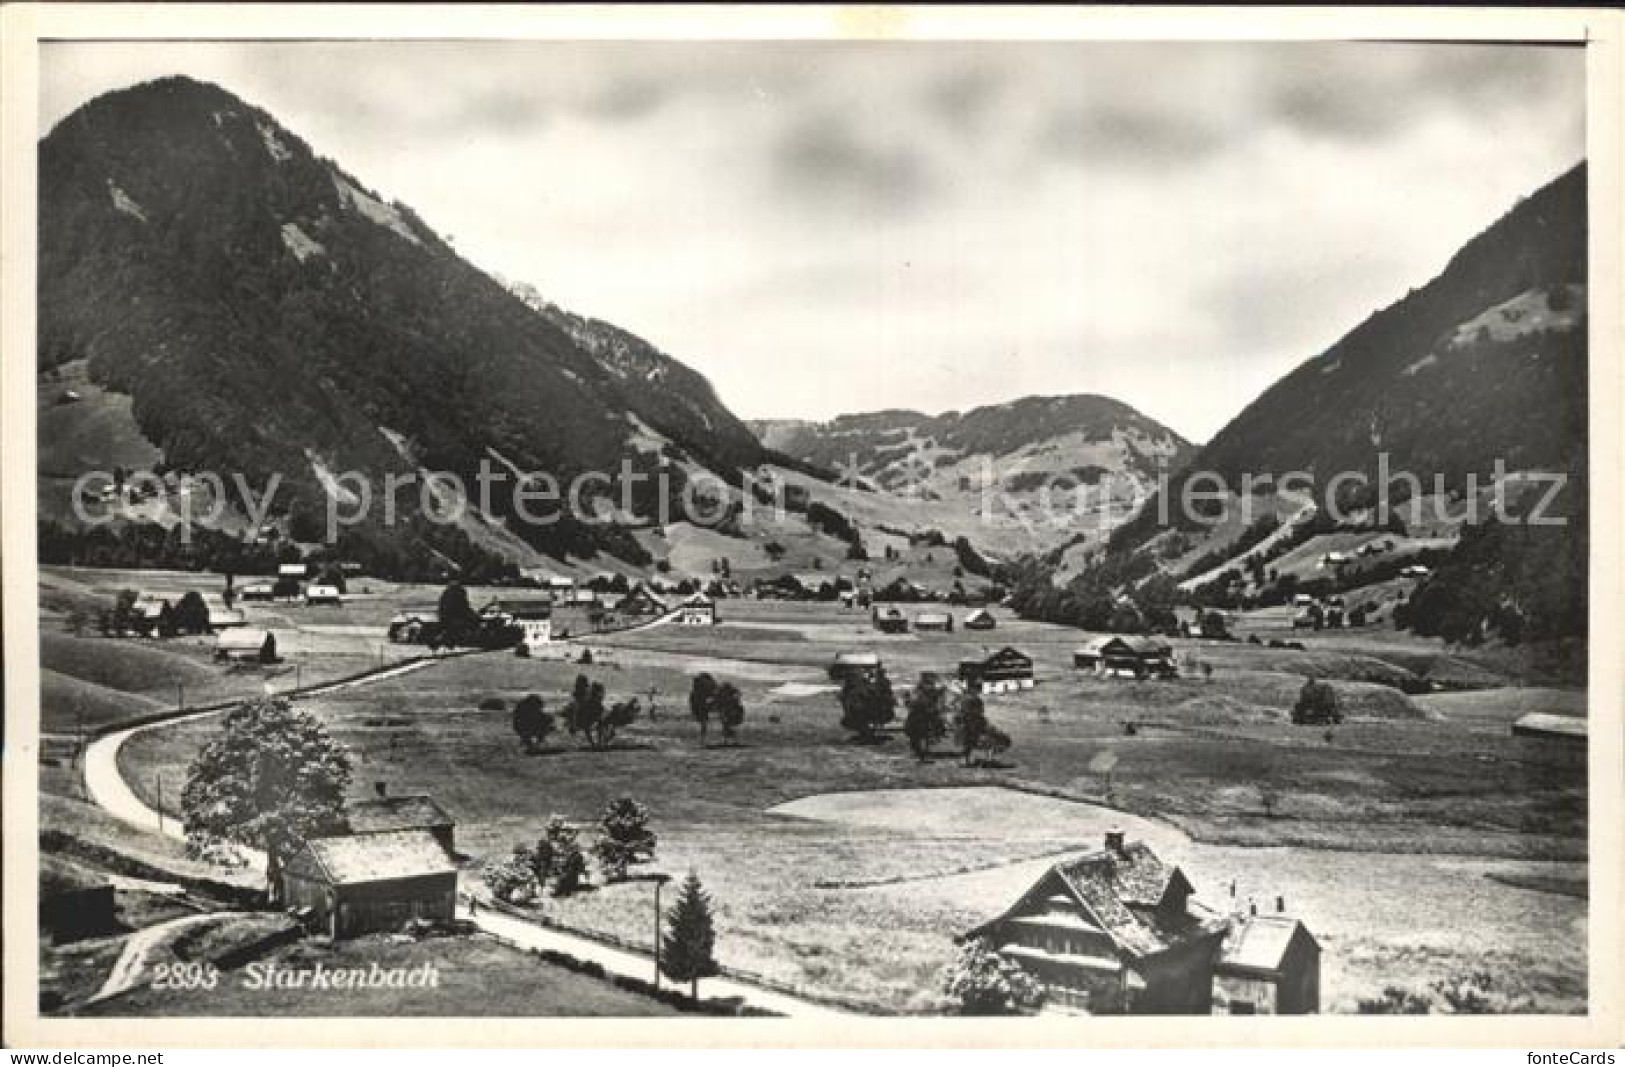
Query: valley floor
{"x":1418,"y":840}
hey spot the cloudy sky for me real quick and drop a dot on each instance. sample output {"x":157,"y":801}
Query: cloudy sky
{"x":827,"y":227}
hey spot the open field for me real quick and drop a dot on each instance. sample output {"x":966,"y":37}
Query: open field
{"x":1414,"y":839}
{"x":477,"y":976}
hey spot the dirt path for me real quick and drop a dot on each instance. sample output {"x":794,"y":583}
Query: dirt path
{"x":132,"y":962}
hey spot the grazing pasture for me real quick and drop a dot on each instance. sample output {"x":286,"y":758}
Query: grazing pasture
{"x":1408,"y":836}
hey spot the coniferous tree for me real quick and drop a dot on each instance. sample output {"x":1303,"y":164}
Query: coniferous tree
{"x":687,"y":949}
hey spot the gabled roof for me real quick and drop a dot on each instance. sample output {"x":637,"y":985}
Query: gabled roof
{"x":521,"y":608}
{"x":383,"y":814}
{"x":698,"y":600}
{"x":377,"y":857}
{"x":241,"y":639}
{"x":1138,"y":644}
{"x":1121,"y":892}
{"x":1258,"y":944}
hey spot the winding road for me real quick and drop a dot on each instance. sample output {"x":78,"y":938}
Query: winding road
{"x":106,"y":787}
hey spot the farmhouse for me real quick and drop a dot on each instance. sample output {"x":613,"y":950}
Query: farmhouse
{"x":149,"y":607}
{"x":323,"y":594}
{"x":1126,"y":654}
{"x":854,"y":664}
{"x":259,"y":591}
{"x":385,"y":814}
{"x":1268,"y":965}
{"x":1548,"y":727}
{"x":1114,"y":932}
{"x":242,"y":643}
{"x":940,"y":622}
{"x":74,"y":903}
{"x":533,"y":618}
{"x":642,"y":602}
{"x":545,"y":578}
{"x":697,"y":610}
{"x":366,"y":883}
{"x":890,"y":620}
{"x":980,"y":619}
{"x":1005,"y":671}
{"x":407,"y":624}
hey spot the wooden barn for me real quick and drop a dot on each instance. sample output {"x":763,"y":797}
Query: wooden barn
{"x":386,"y":814}
{"x":890,"y":620}
{"x":1268,"y":965}
{"x":369,"y":883}
{"x":854,"y":664}
{"x":642,"y":602}
{"x":1114,"y":932}
{"x":241,"y":643}
{"x":1005,"y":671}
{"x":1127,"y":654}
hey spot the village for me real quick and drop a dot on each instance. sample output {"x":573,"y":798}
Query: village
{"x":1071,"y":897}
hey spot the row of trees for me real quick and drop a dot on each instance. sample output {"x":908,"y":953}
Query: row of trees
{"x":933,"y":713}
{"x":587,"y":715}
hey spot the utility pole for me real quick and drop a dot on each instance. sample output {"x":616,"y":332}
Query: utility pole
{"x":180,"y":695}
{"x":160,"y":781}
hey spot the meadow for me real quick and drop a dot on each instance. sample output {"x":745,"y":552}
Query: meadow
{"x":1417,"y":839}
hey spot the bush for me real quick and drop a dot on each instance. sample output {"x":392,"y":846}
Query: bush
{"x":1395,"y":1000}
{"x":1317,"y":705}
{"x":982,"y":982}
{"x":493,"y":704}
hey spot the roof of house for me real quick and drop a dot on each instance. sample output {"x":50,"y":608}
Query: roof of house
{"x":1006,"y":655}
{"x":1122,"y":890}
{"x":373,"y":857}
{"x":226,"y":617}
{"x":521,"y":608}
{"x":294,"y":569}
{"x":1542,"y":722}
{"x":928,"y":618}
{"x":980,"y":613}
{"x":383,"y":814}
{"x":699,"y":600}
{"x":857,"y":659}
{"x":1136,"y":643}
{"x":1259,"y":943}
{"x":241,"y":639}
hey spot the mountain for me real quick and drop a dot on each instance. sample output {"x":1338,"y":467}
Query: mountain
{"x":1063,"y":466}
{"x":1483,"y":365}
{"x":233,"y":302}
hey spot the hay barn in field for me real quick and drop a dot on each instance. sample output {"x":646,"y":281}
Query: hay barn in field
{"x":371,"y":883}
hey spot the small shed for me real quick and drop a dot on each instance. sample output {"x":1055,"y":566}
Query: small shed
{"x":241,"y":643}
{"x":367,"y":883}
{"x":317,"y":593}
{"x":259,"y":591}
{"x":940,"y":622}
{"x":224,"y":618}
{"x":980,"y":619}
{"x":1268,"y":965}
{"x":291,"y":570}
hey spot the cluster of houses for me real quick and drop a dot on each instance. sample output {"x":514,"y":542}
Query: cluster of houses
{"x":294,"y":583}
{"x":395,"y":865}
{"x":535,"y":617}
{"x":1118,"y":931}
{"x":1008,"y":670}
{"x":890,"y":619}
